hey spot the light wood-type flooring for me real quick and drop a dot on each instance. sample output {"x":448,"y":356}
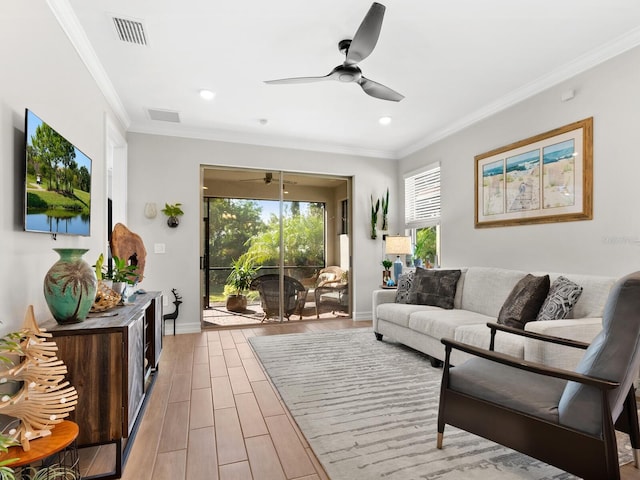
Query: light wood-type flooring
{"x":213,"y":414}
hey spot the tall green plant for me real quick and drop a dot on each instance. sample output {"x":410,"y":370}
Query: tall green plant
{"x":243,"y":270}
{"x":385,"y":211}
{"x":375,"y":208}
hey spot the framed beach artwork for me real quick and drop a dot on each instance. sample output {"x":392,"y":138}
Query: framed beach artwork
{"x":542,"y":179}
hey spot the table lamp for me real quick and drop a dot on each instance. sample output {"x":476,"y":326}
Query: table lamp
{"x":397,"y":245}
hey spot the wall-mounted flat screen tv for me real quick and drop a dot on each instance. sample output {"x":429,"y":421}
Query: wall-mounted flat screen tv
{"x":58,"y":182}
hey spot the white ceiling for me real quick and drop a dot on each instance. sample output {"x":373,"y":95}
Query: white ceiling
{"x":456,"y":61}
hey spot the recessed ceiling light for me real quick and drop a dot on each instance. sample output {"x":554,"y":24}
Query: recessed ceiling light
{"x":384,"y":120}
{"x":207,"y":94}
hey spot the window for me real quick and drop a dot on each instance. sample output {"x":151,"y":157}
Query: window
{"x":422,"y":197}
{"x":422,"y":213}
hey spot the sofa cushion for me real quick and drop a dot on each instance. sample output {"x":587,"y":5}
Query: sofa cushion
{"x":485,"y":289}
{"x":434,"y":287}
{"x":440,"y":323}
{"x":595,"y":290}
{"x":480,"y":336}
{"x":399,"y":313}
{"x":563,"y":295}
{"x":405,"y":281}
{"x":524,"y":302}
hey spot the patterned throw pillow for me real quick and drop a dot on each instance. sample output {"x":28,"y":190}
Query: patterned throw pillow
{"x":563,"y":295}
{"x":524,"y":302}
{"x":434,"y":287}
{"x":405,"y":280}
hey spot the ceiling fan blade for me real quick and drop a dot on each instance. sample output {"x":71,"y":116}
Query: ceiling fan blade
{"x":378,"y":90}
{"x":367,"y":35}
{"x":298,"y":80}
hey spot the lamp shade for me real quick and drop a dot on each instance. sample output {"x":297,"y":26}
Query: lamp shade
{"x":397,"y":245}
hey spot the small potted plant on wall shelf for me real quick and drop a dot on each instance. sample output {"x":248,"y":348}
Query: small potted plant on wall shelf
{"x":173,"y":211}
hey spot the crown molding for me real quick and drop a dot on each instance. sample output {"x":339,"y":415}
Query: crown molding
{"x":581,"y":64}
{"x":71,"y":26}
{"x":259,"y":140}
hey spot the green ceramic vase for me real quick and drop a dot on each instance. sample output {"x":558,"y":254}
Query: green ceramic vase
{"x":70,"y":286}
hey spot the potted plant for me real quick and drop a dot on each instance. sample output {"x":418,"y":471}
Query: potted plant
{"x":243,"y":271}
{"x":385,"y":212}
{"x":386,"y":275}
{"x":123,"y":274}
{"x":173,"y":212}
{"x":375,"y":208}
{"x":102,"y":273}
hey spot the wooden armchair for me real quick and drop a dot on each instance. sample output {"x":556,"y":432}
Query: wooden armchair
{"x":567,"y":419}
{"x":295,"y":295}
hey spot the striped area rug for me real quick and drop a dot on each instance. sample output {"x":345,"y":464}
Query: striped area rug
{"x":369,"y":411}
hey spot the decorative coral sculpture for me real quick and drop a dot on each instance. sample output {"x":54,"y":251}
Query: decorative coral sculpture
{"x":44,"y":399}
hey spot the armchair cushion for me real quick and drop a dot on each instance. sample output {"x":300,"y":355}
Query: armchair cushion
{"x":434,"y":287}
{"x":527,"y":392}
{"x":524,"y":302}
{"x":562,"y":296}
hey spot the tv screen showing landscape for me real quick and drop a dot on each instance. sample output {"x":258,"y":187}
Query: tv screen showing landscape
{"x":58,"y":182}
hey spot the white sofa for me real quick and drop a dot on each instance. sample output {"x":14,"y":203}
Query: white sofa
{"x":480,"y":293}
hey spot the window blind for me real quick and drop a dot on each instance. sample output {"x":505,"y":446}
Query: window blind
{"x":422,"y":198}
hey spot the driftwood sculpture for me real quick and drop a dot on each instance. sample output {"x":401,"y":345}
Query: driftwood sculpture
{"x":44,"y":399}
{"x":128,"y":245}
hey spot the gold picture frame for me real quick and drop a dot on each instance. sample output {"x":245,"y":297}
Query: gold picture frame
{"x":542,"y":179}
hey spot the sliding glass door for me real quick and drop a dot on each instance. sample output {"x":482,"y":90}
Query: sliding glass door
{"x":287,"y":228}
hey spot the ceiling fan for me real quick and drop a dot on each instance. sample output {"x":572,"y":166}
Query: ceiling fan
{"x":356,"y":50}
{"x":268,"y":179}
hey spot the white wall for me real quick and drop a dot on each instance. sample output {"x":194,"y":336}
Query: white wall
{"x":167,"y":170}
{"x":42,"y":71}
{"x":608,"y":244}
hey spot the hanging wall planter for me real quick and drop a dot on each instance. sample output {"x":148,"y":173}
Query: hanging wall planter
{"x":173,"y":212}
{"x":385,"y":212}
{"x":375,"y":208}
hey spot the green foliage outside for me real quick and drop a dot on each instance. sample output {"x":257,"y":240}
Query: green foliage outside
{"x":426,"y":244}
{"x":237,"y":232}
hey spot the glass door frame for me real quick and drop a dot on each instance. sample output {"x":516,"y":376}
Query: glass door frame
{"x":329,"y":216}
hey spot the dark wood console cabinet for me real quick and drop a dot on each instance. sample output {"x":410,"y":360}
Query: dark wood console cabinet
{"x":111,"y":361}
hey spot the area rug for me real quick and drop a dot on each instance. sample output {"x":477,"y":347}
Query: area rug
{"x":369,"y":410}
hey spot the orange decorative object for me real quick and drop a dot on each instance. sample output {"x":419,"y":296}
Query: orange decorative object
{"x":63,"y":435}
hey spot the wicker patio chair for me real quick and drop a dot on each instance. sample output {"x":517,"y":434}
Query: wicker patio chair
{"x":295,"y":295}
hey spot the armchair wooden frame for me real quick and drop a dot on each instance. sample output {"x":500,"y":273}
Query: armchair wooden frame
{"x":588,"y":456}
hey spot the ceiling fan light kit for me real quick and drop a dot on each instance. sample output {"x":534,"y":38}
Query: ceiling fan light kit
{"x":356,"y":50}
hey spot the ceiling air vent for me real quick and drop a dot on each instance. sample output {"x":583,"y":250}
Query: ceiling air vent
{"x":164,"y":115}
{"x":131,"y":31}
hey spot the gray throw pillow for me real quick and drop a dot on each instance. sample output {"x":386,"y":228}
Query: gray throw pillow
{"x":524,"y":302}
{"x":563,"y":295}
{"x":434,"y":287}
{"x":405,"y":280}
